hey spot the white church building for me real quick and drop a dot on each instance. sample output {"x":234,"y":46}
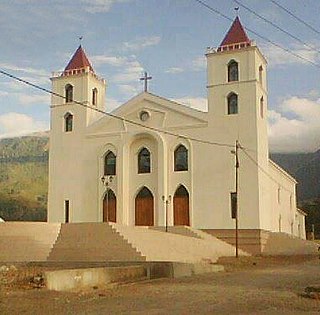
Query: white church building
{"x":154,"y":162}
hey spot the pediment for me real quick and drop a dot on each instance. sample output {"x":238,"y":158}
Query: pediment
{"x":151,"y":111}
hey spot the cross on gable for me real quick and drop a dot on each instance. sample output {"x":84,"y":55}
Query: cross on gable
{"x":145,"y":79}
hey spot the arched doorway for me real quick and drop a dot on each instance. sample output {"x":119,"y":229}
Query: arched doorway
{"x":181,"y":206}
{"x":144,"y":212}
{"x":110,"y":207}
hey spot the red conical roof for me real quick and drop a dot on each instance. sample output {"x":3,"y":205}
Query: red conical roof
{"x":79,"y":60}
{"x":236,"y":34}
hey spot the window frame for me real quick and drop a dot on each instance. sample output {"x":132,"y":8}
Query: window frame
{"x":230,"y":106}
{"x":107,"y":167}
{"x":233,"y":71}
{"x":68,"y":93}
{"x":143,"y":169}
{"x":262,"y":107}
{"x":185,"y":165}
{"x":261,"y":74}
{"x":94,"y":97}
{"x":68,"y":122}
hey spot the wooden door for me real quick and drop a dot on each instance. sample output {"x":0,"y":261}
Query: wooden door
{"x":144,"y":208}
{"x":181,"y":207}
{"x":110,"y":207}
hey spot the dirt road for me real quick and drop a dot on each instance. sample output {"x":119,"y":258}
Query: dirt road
{"x":253,"y":287}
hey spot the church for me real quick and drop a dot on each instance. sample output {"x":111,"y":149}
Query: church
{"x":154,"y":162}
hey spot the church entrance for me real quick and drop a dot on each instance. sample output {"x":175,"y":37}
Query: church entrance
{"x":181,"y":206}
{"x":110,"y":207}
{"x":144,"y":212}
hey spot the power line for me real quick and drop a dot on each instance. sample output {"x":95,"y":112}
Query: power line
{"x":295,"y":17}
{"x":262,"y":169}
{"x":115,"y":116}
{"x":257,"y":34}
{"x":276,"y":26}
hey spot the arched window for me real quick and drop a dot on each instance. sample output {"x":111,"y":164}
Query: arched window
{"x":144,"y":161}
{"x":110,"y":162}
{"x":69,"y":93}
{"x":232,"y":104}
{"x":68,"y":122}
{"x":94,"y":96}
{"x":233,"y":72}
{"x":260,"y":74}
{"x":181,"y":158}
{"x":261,"y":106}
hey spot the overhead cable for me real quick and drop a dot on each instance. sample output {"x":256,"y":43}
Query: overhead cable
{"x":277,"y":27}
{"x":204,"y":4}
{"x":115,"y":116}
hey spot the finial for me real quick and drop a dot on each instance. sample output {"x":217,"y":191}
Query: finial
{"x":80,"y":39}
{"x":237,"y":11}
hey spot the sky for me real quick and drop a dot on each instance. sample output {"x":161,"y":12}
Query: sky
{"x":168,"y":39}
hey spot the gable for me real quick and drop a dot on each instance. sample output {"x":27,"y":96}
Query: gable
{"x":159,"y":113}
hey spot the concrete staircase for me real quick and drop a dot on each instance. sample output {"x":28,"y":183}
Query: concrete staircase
{"x":103,"y":242}
{"x":285,"y":244}
{"x":181,"y":245}
{"x":92,"y":242}
{"x":26,"y":241}
{"x":180,"y":229}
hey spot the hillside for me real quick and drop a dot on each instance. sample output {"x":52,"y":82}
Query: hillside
{"x":306,"y":169}
{"x":23,"y":178}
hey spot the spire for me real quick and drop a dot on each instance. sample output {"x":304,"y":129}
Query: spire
{"x":235,"y":35}
{"x":79,"y":60}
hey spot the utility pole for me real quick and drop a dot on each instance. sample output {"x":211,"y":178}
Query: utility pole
{"x":237,"y":197}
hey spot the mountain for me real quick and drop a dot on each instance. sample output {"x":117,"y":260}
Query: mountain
{"x":24,"y":177}
{"x":305,"y":168}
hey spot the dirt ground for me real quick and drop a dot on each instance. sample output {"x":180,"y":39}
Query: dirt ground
{"x":250,"y":285}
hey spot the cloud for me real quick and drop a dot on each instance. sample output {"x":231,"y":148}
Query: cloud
{"x":295,"y":127}
{"x":131,"y":72}
{"x":129,"y":68}
{"x":278,"y":57}
{"x":110,"y":60}
{"x":199,"y":103}
{"x":3,"y":93}
{"x":15,"y":124}
{"x":28,"y":70}
{"x":142,"y":42}
{"x":33,"y":75}
{"x":174,"y":70}
{"x":28,"y":99}
{"x":199,"y":63}
{"x":99,"y":6}
{"x":128,"y":90}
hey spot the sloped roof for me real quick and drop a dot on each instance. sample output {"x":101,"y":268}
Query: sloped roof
{"x":236,"y":34}
{"x":79,"y":60}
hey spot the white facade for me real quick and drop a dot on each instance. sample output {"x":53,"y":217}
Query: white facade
{"x":267,"y":196}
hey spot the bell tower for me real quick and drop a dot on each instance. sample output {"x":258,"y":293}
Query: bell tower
{"x":237,"y":103}
{"x":78,"y":93}
{"x":237,"y":91}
